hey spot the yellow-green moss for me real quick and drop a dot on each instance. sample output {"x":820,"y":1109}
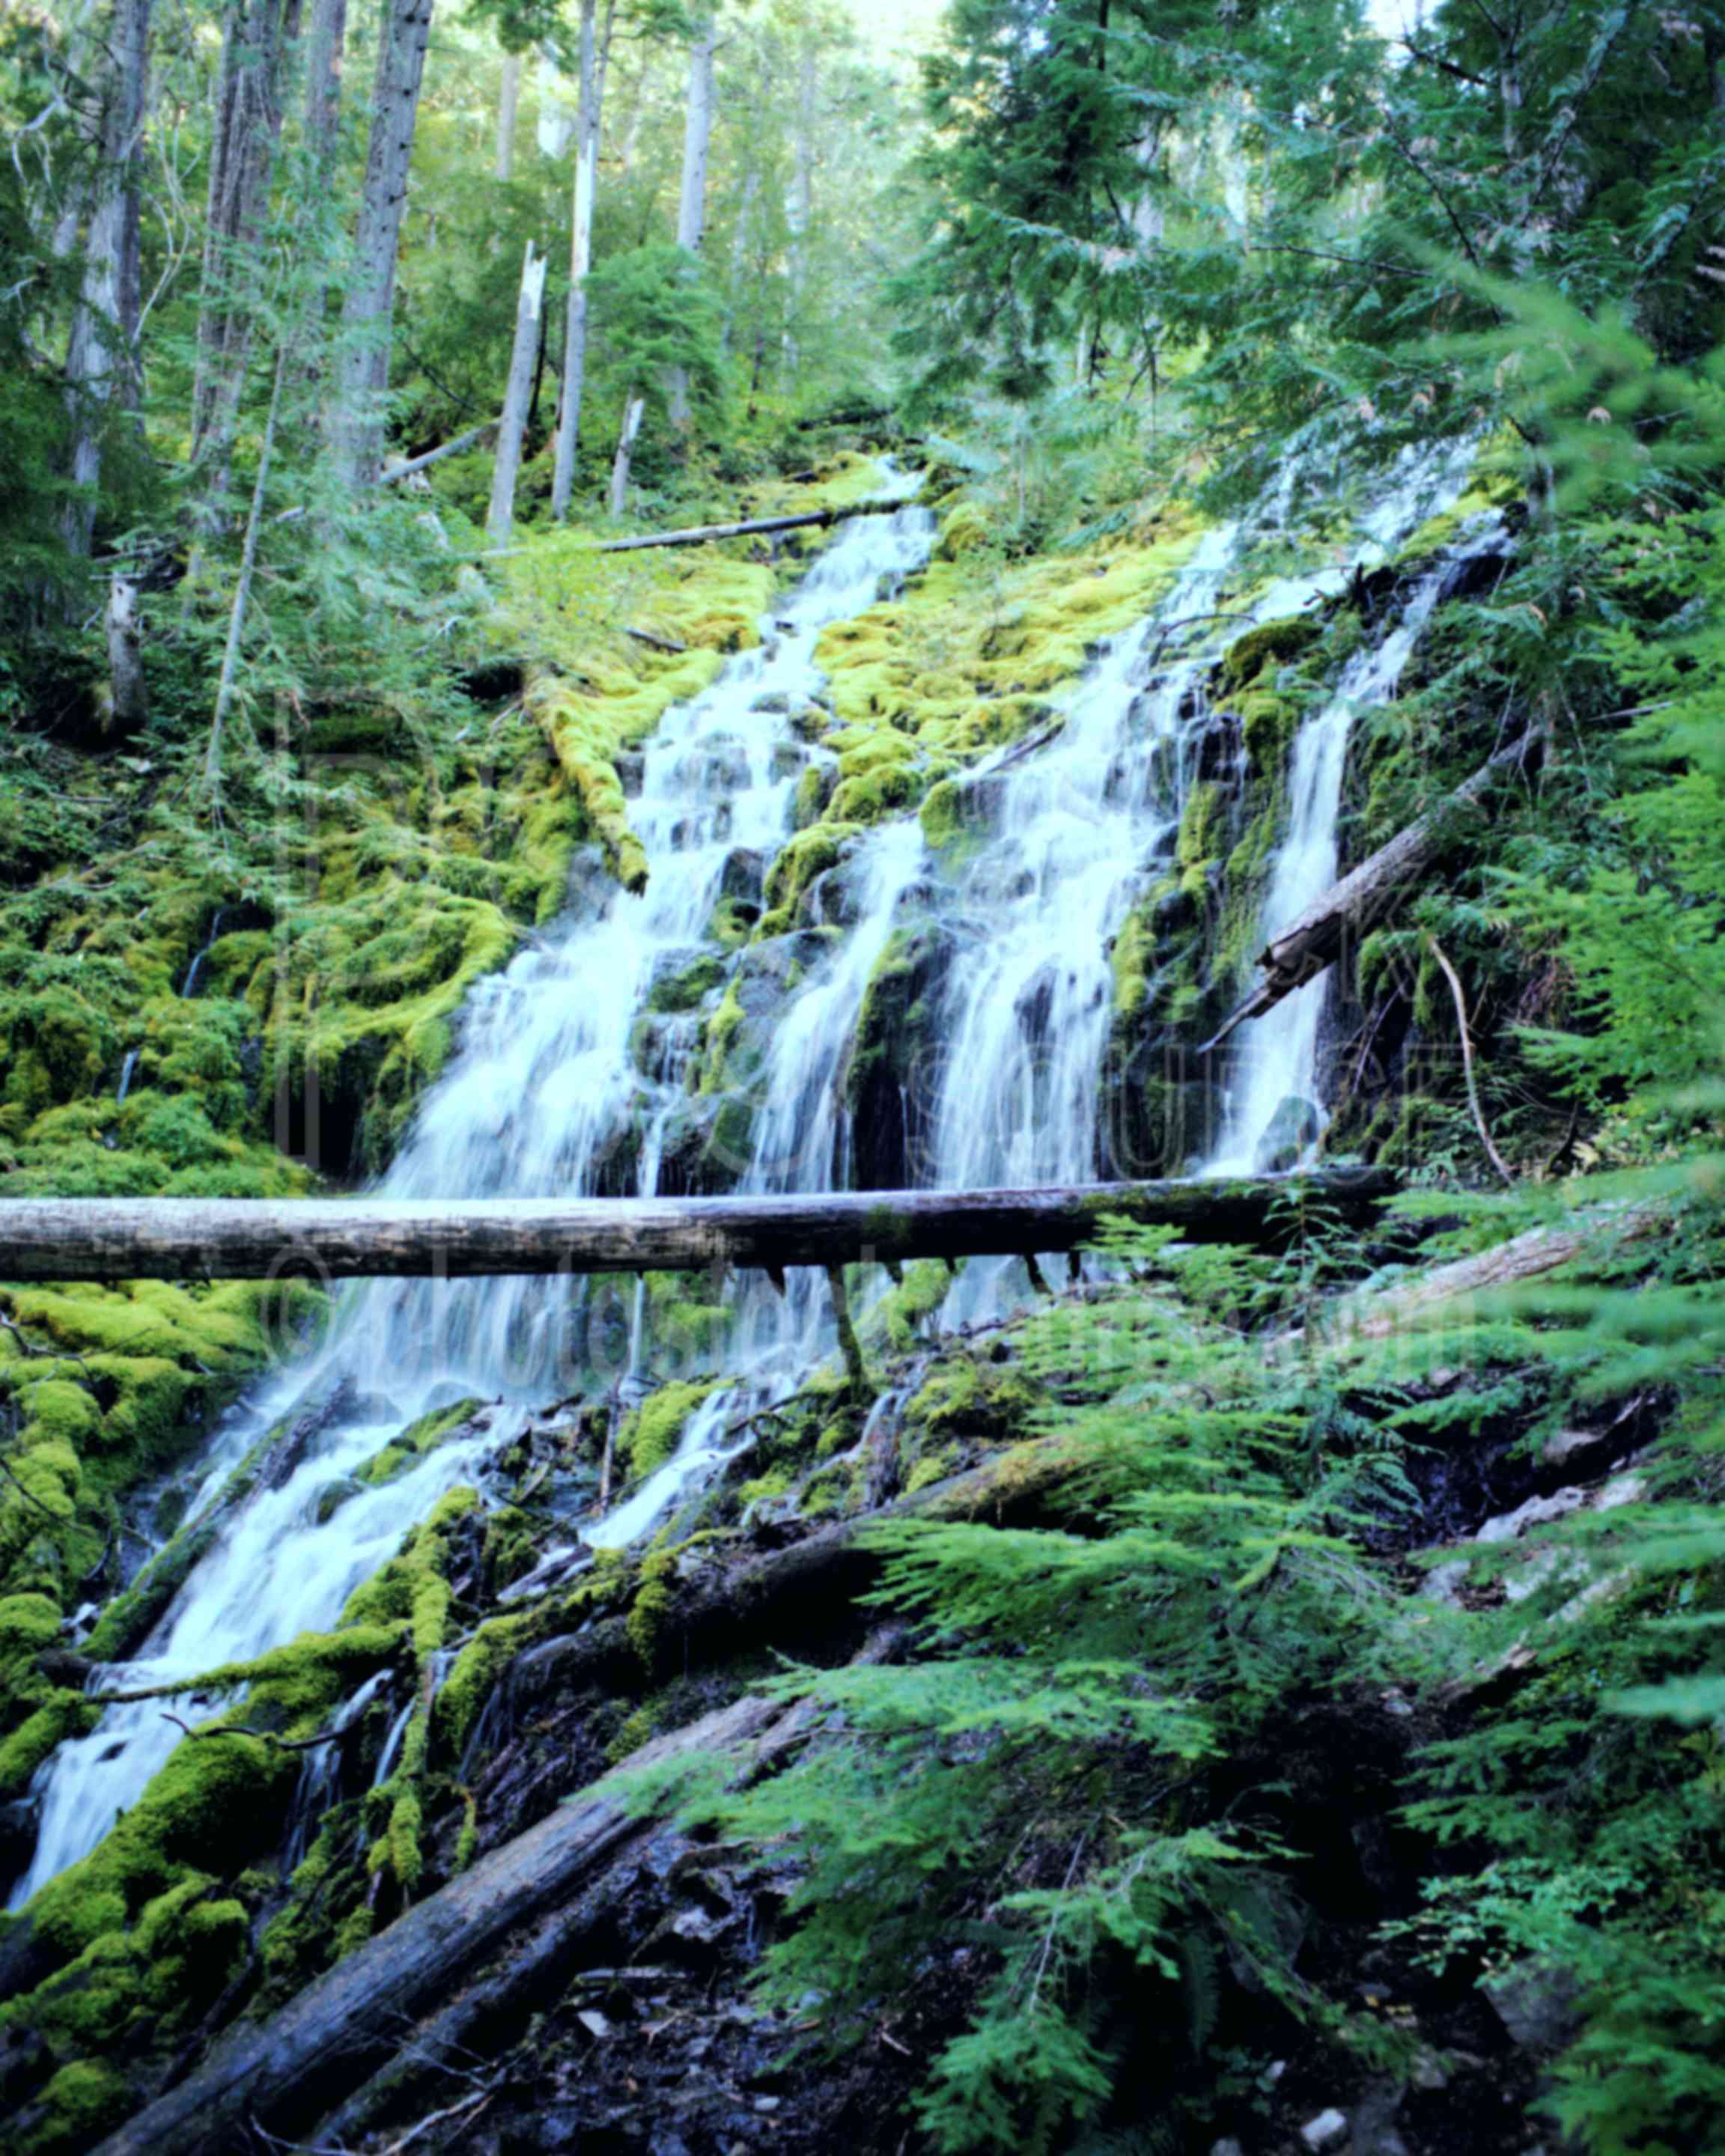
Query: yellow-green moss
{"x":650,"y":1432}
{"x":654,"y":1593}
{"x":1267,"y":648}
{"x":417,"y":1440}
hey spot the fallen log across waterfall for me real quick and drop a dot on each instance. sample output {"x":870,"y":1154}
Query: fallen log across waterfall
{"x":1365,"y":897}
{"x":106,"y":1239}
{"x":700,"y":535}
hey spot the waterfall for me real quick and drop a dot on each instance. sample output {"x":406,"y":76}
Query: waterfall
{"x":1077,"y":832}
{"x":1274,"y":1104}
{"x":572,"y":1076}
{"x":543,"y":1097}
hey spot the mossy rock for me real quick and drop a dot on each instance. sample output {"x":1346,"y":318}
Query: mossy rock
{"x":1272,"y":645}
{"x":683,"y":984}
{"x":652,"y":1432}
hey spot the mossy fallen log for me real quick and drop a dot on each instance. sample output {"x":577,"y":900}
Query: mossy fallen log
{"x":1365,"y":897}
{"x":699,"y":534}
{"x":776,"y":1597}
{"x":101,"y":1239}
{"x":344,"y":2027}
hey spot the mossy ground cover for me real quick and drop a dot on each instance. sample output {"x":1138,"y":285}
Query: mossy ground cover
{"x":972,"y":655}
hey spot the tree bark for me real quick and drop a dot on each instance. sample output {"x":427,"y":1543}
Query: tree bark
{"x":634,"y":406}
{"x":242,"y":587}
{"x":453,"y":448}
{"x":691,"y":202}
{"x":255,"y":42}
{"x":509,"y":93}
{"x":101,"y":357}
{"x":698,"y":535}
{"x":739,"y":249}
{"x":799,"y":210}
{"x":98,"y":1239}
{"x":588,"y":125}
{"x":1509,"y":1264}
{"x":1365,"y":897}
{"x":557,"y":122}
{"x":529,"y":309}
{"x":363,"y":374}
{"x":772,"y":1600}
{"x":128,"y":698}
{"x":324,"y":45}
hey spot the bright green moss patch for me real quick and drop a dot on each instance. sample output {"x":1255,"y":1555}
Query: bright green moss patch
{"x":899,"y":1315}
{"x":652,"y":1432}
{"x":964,"y":1395}
{"x":417,"y":1440}
{"x":1272,"y":645}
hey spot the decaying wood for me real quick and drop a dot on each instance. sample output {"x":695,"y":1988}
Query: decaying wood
{"x":698,"y":535}
{"x":1364,"y":896}
{"x":654,"y":641}
{"x":1512,"y":1263}
{"x":780,"y":1598}
{"x":470,"y":439}
{"x":100,"y":1239}
{"x":342,"y":2028}
{"x":1460,"y":1001}
{"x":537,"y":1962}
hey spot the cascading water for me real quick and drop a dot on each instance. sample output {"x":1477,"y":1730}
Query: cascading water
{"x":573,"y":1075}
{"x":544,"y":1097}
{"x":1075,"y":833}
{"x":1276,"y":1093}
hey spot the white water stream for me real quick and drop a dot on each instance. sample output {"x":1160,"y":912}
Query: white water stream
{"x":542,"y":1098}
{"x":566,"y":1082}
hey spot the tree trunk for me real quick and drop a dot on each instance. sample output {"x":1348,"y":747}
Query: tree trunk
{"x":1365,"y":897}
{"x":101,"y":357}
{"x":634,"y":406}
{"x":508,"y":98}
{"x":128,"y":699}
{"x":529,"y":309}
{"x":1600,"y":1232}
{"x":324,"y":44}
{"x":739,"y":249}
{"x":557,"y":121}
{"x":255,"y":43}
{"x":691,"y":202}
{"x":587,"y":167}
{"x":698,"y":535}
{"x":97,"y":1239}
{"x":243,"y":589}
{"x":799,"y":210}
{"x":363,"y":375}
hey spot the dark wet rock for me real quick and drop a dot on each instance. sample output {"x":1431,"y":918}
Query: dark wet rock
{"x":631,"y":765}
{"x":744,"y":875}
{"x":1294,"y":1129}
{"x":1538,"y":2005}
{"x":333,"y":1495}
{"x":891,"y":1083}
